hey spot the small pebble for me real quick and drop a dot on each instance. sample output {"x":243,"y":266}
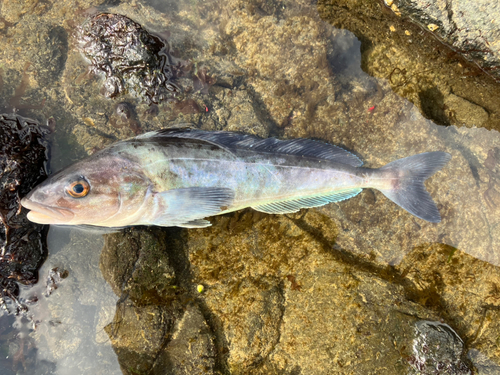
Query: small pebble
{"x":432,"y":27}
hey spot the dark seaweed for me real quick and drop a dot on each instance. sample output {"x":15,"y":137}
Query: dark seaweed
{"x":23,"y":248}
{"x":131,"y":59}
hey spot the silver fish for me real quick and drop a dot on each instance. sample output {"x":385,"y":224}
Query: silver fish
{"x":179,"y":177}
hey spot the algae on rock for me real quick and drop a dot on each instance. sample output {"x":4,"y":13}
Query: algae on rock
{"x":156,"y":320}
{"x":332,"y":289}
{"x":414,"y":62}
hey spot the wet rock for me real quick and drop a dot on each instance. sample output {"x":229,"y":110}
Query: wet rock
{"x":52,"y":54}
{"x":191,"y":349}
{"x":469,"y":27}
{"x":437,"y":349}
{"x":126,"y":115}
{"x":254,"y":331}
{"x":23,"y":154}
{"x":54,"y":279}
{"x":138,"y":270}
{"x":157,"y":329}
{"x":150,"y":339}
{"x":13,"y":11}
{"x":332,"y":301}
{"x":445,"y":279}
{"x":187,"y":107}
{"x":128,"y":57}
{"x":417,"y":66}
{"x":165,"y":6}
{"x":463,"y":112}
{"x":137,"y":266}
{"x":296,"y":92}
{"x":235,"y":110}
{"x":482,"y":363}
{"x":291,"y":305}
{"x":138,"y":335}
{"x":14,"y":99}
{"x":202,"y":81}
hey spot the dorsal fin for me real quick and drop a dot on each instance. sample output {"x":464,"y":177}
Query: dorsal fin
{"x":234,"y":141}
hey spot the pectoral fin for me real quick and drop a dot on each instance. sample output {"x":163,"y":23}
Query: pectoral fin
{"x":188,"y":206}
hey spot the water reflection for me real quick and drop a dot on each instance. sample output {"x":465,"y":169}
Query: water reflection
{"x":466,"y":189}
{"x":280,"y":289}
{"x":67,"y":324}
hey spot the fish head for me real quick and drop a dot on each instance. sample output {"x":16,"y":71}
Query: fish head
{"x":105,"y":190}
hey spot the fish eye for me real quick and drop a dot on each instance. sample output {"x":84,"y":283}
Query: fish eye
{"x":78,"y":189}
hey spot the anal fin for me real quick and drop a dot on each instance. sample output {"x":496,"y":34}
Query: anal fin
{"x":294,"y":205}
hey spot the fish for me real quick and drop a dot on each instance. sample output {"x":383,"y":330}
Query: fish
{"x":181,"y":176}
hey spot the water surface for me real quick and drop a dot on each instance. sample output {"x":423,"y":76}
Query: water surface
{"x":336,"y":289}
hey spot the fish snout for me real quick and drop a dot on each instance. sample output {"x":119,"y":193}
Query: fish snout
{"x":43,"y":214}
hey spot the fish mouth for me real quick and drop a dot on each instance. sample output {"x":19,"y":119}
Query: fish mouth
{"x":43,"y":214}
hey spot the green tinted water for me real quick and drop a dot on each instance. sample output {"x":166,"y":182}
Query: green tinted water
{"x":336,"y":289}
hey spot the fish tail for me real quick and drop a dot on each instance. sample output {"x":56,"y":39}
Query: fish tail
{"x":408,"y":190}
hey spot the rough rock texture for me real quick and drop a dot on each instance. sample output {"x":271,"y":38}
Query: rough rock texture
{"x":418,"y":66}
{"x":331,"y":300}
{"x":483,"y":365}
{"x":295,"y":92}
{"x":155,"y":330}
{"x":471,"y":28}
{"x":191,"y":348}
{"x":127,"y":262}
{"x":51,"y":58}
{"x":336,"y":289}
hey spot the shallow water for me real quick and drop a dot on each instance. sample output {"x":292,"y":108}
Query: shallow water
{"x":337,"y":289}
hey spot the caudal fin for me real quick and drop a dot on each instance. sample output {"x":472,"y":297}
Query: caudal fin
{"x":409,"y":190}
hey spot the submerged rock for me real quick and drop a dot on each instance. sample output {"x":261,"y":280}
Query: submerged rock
{"x":129,"y":58}
{"x":469,"y":27}
{"x":158,"y":328}
{"x":417,"y":64}
{"x":437,"y":349}
{"x":336,"y":289}
{"x":50,"y":58}
{"x":23,"y":154}
{"x":191,"y":349}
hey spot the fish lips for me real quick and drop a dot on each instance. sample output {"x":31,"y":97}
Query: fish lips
{"x":43,"y":214}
